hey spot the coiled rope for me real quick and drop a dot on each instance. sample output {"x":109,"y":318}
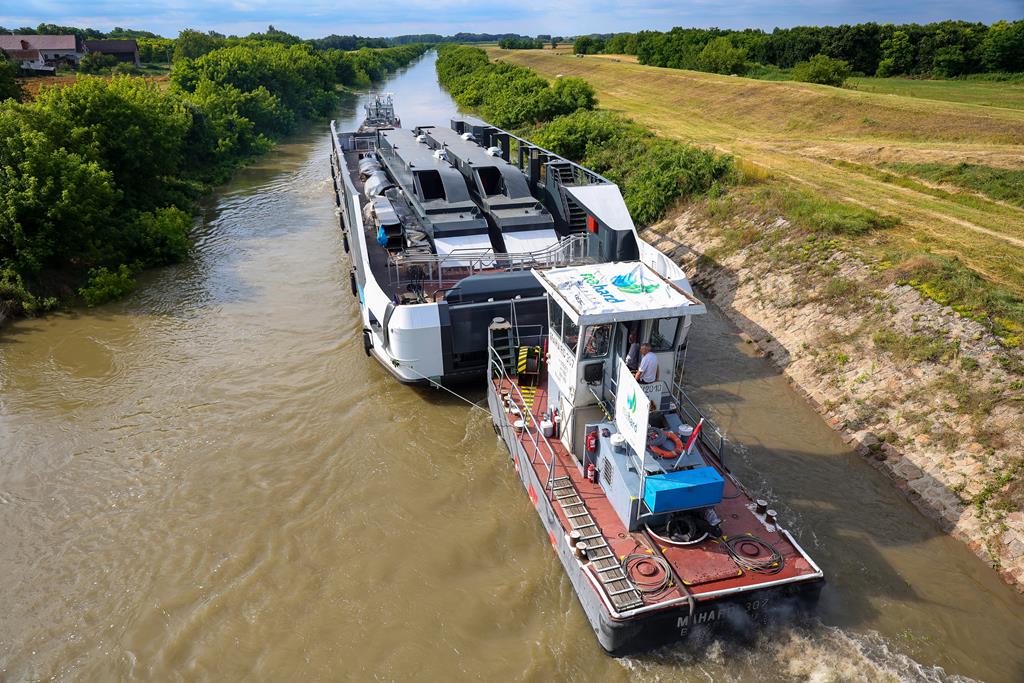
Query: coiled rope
{"x":772,"y":564}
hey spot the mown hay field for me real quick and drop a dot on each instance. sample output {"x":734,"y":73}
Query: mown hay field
{"x":840,"y":144}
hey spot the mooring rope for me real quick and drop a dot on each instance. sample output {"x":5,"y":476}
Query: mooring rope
{"x":438,"y":385}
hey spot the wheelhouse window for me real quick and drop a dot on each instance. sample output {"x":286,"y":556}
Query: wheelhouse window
{"x":570,"y":334}
{"x":554,"y":319}
{"x":596,"y":341}
{"x":663,"y":334}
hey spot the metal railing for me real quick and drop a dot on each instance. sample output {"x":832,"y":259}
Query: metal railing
{"x":532,"y":429}
{"x":568,"y":251}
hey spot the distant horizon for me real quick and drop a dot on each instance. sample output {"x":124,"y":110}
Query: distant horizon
{"x":318,"y":18}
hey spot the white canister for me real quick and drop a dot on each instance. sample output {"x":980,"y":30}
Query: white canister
{"x":547,"y":427}
{"x":685,"y":430}
{"x":618,"y":443}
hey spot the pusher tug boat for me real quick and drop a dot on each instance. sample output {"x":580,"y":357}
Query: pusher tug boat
{"x":657,"y":536}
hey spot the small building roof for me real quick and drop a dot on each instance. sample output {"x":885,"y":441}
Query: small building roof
{"x":36,"y":42}
{"x":111,"y":46}
{"x":24,"y":55}
{"x":616,"y":292}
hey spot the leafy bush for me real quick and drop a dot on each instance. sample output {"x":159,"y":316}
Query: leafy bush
{"x":9,"y":87}
{"x":507,"y":95}
{"x":105,"y":172}
{"x":95,"y":62}
{"x":56,"y":205}
{"x":105,"y":285}
{"x":823,"y":70}
{"x":721,"y":57}
{"x":163,"y":235}
{"x":653,"y":172}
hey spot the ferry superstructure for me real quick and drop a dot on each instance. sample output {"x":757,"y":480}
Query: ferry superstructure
{"x":444,"y":223}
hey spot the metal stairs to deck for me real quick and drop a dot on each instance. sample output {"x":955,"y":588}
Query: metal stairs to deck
{"x":575,"y":216}
{"x":619,"y":589}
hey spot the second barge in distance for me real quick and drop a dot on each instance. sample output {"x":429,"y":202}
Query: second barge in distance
{"x":444,"y":224}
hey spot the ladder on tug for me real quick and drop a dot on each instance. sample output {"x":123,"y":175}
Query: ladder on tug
{"x":618,"y":587}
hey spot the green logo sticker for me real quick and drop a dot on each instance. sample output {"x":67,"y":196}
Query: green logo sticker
{"x":625,"y":283}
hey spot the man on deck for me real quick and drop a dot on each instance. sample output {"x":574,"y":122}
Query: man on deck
{"x":633,"y":355}
{"x":648,"y":370}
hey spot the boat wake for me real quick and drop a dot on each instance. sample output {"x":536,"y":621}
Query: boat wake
{"x":814,"y":653}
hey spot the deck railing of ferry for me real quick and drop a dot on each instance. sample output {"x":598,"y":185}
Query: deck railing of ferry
{"x":445,"y":270}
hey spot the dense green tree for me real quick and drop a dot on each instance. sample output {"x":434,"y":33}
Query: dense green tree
{"x":897,"y":55}
{"x":127,"y":125}
{"x":1003,"y":47}
{"x":823,"y":70}
{"x":721,"y":57}
{"x":156,"y":50}
{"x":96,"y":62}
{"x":98,"y":178}
{"x":192,"y":44}
{"x":508,"y":95}
{"x":56,"y":206}
{"x":9,"y":86}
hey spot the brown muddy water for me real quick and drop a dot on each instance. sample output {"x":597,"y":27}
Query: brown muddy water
{"x":210,"y":480}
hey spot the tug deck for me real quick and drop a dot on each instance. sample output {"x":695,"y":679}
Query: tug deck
{"x":706,"y":569}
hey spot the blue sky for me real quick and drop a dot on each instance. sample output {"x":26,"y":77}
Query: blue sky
{"x":313,"y":18}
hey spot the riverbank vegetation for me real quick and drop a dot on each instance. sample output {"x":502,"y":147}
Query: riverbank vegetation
{"x":653,"y":172}
{"x":101,"y":176}
{"x":943,"y":49}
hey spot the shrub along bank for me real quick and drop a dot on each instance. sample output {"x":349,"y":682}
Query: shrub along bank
{"x":653,"y":172}
{"x":98,"y":179}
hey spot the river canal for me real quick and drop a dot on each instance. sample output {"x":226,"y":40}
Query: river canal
{"x":209,"y":480}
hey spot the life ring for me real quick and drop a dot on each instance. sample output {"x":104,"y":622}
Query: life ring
{"x":659,"y":452}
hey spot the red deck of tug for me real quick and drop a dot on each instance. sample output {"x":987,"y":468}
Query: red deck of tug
{"x":706,"y":567}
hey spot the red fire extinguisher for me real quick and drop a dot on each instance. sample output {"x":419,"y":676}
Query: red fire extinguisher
{"x":591,"y":472}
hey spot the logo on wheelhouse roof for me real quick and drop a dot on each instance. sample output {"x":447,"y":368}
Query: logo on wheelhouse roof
{"x":627,"y":283}
{"x":631,"y":402}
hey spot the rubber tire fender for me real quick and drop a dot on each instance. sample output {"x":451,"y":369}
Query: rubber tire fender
{"x":352,"y":283}
{"x":367,"y":342}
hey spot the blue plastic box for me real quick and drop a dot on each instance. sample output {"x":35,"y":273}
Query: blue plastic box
{"x":683,"y":490}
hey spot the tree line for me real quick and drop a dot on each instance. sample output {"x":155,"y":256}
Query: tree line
{"x":943,"y":49}
{"x":505,"y":94}
{"x":100,"y":177}
{"x":521,"y":44}
{"x":652,"y":172}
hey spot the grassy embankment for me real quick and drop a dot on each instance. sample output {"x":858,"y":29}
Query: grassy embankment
{"x":821,"y":151}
